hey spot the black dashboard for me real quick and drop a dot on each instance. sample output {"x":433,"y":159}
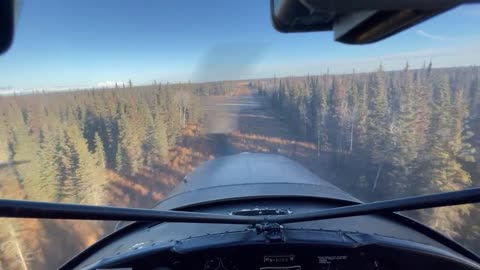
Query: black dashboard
{"x":280,"y":256}
{"x":354,"y":243}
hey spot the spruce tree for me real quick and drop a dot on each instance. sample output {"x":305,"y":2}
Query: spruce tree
{"x":404,"y":150}
{"x":378,"y":125}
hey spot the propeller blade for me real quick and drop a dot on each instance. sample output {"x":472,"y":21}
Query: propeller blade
{"x":48,"y":210}
{"x":410,"y":203}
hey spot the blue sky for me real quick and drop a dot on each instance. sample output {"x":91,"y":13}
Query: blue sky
{"x":84,"y":43}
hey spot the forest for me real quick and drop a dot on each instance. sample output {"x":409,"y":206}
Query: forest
{"x":72,"y":147}
{"x":392,"y":134}
{"x":385,"y":134}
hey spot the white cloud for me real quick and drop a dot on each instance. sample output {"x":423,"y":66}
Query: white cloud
{"x":22,"y":91}
{"x":428,"y":35}
{"x":10,"y":91}
{"x":110,"y":84}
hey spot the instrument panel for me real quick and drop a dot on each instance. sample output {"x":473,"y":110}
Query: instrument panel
{"x":280,"y":258}
{"x":242,"y":254}
{"x":281,"y":262}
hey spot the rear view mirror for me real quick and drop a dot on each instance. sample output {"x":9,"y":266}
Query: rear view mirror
{"x":7,"y":18}
{"x":355,"y":21}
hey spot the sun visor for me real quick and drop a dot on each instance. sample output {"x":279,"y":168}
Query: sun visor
{"x":354,"y":22}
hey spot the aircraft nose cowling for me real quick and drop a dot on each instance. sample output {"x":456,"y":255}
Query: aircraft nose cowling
{"x":249,"y":175}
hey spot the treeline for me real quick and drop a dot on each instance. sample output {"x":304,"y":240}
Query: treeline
{"x":392,"y":134}
{"x":59,"y":147}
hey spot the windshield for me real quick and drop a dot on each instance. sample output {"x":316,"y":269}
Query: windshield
{"x":114,"y":102}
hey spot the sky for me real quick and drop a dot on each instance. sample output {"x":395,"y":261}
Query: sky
{"x":88,"y":43}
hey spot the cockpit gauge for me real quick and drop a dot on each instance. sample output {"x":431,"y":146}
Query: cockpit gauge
{"x":219,"y":263}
